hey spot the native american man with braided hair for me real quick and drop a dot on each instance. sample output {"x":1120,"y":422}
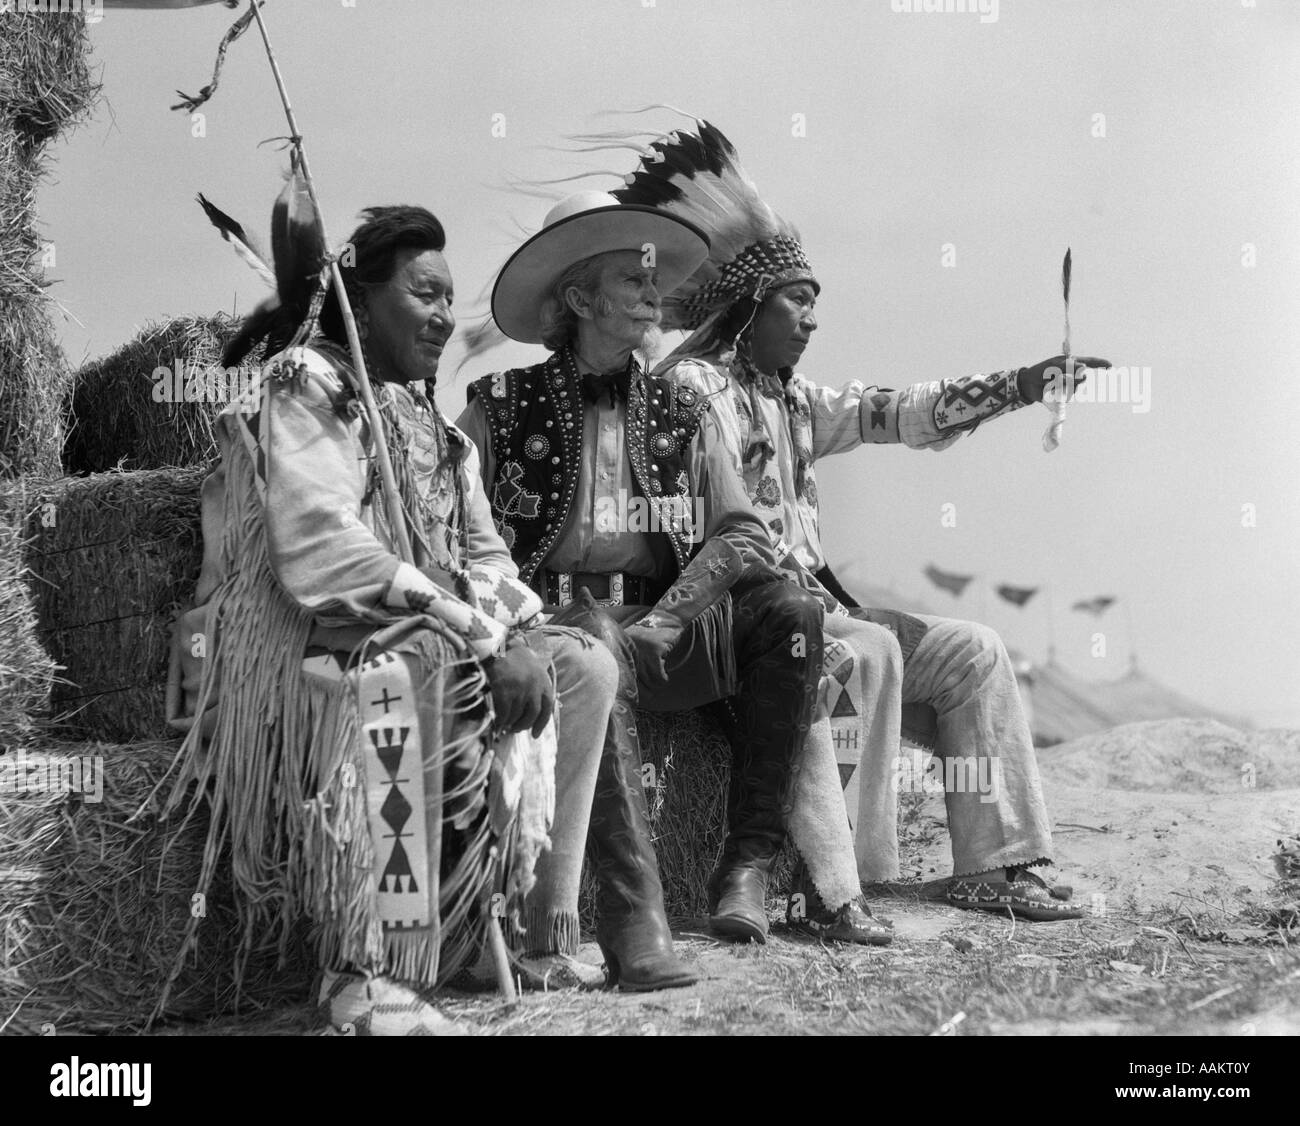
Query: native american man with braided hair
{"x":749,"y":309}
{"x":351,"y":705}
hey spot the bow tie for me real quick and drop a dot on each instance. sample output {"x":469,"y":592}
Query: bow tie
{"x":614,"y":382}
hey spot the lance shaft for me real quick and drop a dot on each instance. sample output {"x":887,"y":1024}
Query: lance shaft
{"x":392,"y":498}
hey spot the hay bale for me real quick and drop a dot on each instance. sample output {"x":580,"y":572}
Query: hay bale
{"x":93,"y":913}
{"x":44,"y":88}
{"x":123,"y":415}
{"x":26,"y":669}
{"x":45,"y":84}
{"x":34,"y":377}
{"x":34,"y":382}
{"x":113,"y":557}
{"x":19,"y":175}
{"x":688,"y":806}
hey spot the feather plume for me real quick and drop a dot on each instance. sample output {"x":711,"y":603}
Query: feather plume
{"x":297,"y":258}
{"x":1052,"y":436}
{"x":296,"y":246}
{"x":698,"y":177}
{"x":243,"y":245}
{"x":1065,"y":290}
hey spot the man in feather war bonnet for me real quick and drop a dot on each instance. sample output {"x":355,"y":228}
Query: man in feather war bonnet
{"x":748,"y":310}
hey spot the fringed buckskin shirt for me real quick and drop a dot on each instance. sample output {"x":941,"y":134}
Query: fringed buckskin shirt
{"x":329,"y":542}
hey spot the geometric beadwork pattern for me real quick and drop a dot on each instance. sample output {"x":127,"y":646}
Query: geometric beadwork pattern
{"x":394,"y":780}
{"x":840,"y":706}
{"x":964,"y":403}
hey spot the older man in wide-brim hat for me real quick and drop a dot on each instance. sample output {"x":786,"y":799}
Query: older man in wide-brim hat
{"x":607,"y":485}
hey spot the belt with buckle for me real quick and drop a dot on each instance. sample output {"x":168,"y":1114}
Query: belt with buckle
{"x":611,"y":589}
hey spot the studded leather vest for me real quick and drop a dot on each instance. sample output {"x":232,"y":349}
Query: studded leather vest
{"x":534,"y":418}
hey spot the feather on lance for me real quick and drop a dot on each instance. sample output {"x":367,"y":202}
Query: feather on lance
{"x":1052,"y":436}
{"x":293,"y":273}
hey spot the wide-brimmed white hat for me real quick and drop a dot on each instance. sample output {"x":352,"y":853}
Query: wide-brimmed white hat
{"x":584,"y":224}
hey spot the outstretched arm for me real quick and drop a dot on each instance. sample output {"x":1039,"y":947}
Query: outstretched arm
{"x":930,"y":415}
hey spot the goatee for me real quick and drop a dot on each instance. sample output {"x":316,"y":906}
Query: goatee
{"x":652,"y":344}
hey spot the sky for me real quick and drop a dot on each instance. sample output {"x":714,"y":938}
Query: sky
{"x":937,"y":165}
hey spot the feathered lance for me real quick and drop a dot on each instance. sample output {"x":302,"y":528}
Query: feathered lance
{"x":392,"y":498}
{"x":1052,"y":437}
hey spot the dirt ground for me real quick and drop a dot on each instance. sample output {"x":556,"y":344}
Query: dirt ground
{"x":1189,"y":929}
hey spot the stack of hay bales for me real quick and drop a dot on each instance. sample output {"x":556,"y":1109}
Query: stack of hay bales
{"x":153,"y":402}
{"x":26,"y":669}
{"x":45,"y":87}
{"x":94,"y":909}
{"x":114,"y":557}
{"x":140,"y":424}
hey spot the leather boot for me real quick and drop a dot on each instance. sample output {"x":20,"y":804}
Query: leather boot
{"x":756,"y":830}
{"x":631,"y":927}
{"x":767,"y":722}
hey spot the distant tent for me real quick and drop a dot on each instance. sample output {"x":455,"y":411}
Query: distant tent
{"x":1061,"y":705}
{"x":1066,"y":707}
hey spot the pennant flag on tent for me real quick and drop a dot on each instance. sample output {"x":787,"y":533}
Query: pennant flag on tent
{"x":1017,"y":595}
{"x":1094,"y":606}
{"x":946,"y":580}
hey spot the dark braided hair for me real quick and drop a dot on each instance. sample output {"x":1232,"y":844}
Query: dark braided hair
{"x":371,"y":256}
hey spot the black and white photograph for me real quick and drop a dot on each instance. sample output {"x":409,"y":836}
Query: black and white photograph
{"x":474,"y":560}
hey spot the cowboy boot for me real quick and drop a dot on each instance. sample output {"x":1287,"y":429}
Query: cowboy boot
{"x":631,"y":927}
{"x":738,"y":887}
{"x":778,"y":632}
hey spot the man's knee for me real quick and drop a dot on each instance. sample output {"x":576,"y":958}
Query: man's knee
{"x":787,"y":606}
{"x":982,"y":640}
{"x":584,"y":664}
{"x":980,"y":645}
{"x":875,"y":646}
